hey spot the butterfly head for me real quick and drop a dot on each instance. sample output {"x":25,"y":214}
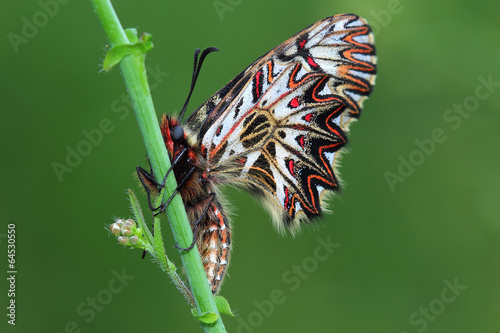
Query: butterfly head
{"x":177,"y":133}
{"x":173,"y":134}
{"x":176,"y":137}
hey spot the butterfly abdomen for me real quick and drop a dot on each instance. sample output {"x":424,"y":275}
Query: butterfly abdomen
{"x":211,"y":228}
{"x":213,"y":241}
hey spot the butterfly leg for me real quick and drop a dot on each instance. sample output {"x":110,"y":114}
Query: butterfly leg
{"x":150,"y":183}
{"x":195,"y":228}
{"x":160,"y":209}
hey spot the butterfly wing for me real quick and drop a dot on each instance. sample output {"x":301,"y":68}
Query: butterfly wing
{"x":277,"y":128}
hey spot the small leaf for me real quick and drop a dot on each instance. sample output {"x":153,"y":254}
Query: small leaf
{"x":115,"y":55}
{"x":135,"y":47}
{"x":223,"y":306}
{"x":206,"y":317}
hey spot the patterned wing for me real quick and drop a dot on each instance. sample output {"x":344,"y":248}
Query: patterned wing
{"x":277,"y":128}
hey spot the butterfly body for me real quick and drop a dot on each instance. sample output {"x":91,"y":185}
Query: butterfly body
{"x":201,"y":202}
{"x":275,"y":130}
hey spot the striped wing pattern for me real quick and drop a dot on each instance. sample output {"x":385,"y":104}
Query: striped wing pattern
{"x":278,"y":127}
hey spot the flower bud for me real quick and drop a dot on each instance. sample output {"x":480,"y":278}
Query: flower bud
{"x":123,"y":240}
{"x":126,"y":230}
{"x":130,"y":223}
{"x":134,"y":239}
{"x":120,"y":222}
{"x":115,"y":229}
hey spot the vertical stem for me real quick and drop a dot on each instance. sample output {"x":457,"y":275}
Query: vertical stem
{"x":135,"y":78}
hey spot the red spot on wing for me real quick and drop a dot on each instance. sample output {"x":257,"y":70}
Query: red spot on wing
{"x":302,"y":43}
{"x":289,"y":202}
{"x":258,"y":76}
{"x":294,"y":102}
{"x":312,"y":63}
{"x":291,"y":167}
{"x":301,"y":141}
{"x":287,"y":198}
{"x":308,"y":117}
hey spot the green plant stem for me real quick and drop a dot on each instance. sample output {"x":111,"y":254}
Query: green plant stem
{"x":135,"y":78}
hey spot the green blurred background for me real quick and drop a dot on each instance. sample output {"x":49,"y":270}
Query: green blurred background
{"x":401,"y":243}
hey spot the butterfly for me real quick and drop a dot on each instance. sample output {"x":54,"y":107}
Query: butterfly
{"x":276,"y":130}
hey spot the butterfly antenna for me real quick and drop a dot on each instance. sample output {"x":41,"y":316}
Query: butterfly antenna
{"x":196,"y":72}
